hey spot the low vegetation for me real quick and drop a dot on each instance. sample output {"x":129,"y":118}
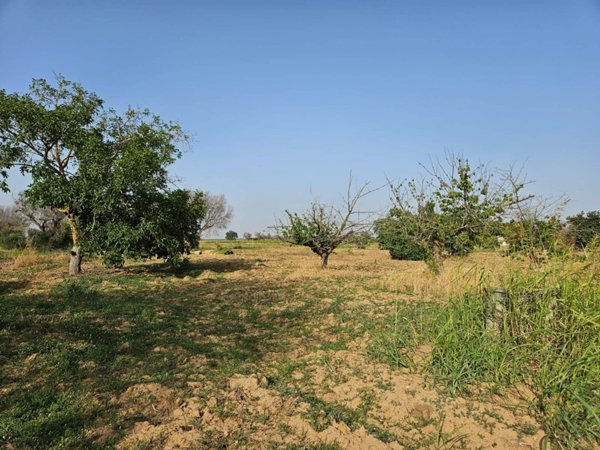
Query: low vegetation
{"x":261,"y":348}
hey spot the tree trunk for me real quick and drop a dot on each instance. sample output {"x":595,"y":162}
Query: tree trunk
{"x":437,"y":258}
{"x":75,"y":255}
{"x":75,"y":261}
{"x":324,"y":260}
{"x":496,"y":311}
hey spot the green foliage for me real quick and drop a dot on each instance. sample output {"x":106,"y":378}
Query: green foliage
{"x":165,"y":227}
{"x":550,"y":340}
{"x":222,"y":250}
{"x":361,"y":239}
{"x":11,"y":238}
{"x":324,"y":227}
{"x":534,"y":236}
{"x":315,"y":230}
{"x":107,"y":172}
{"x":231,"y":235}
{"x":398,"y":241}
{"x":445,"y":215}
{"x":584,"y":228}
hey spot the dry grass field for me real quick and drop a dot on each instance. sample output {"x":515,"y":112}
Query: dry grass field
{"x":256,"y":349}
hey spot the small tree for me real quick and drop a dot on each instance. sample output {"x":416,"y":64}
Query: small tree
{"x":107,"y":173}
{"x":445,"y":214}
{"x":231,"y":235}
{"x":323,"y":228}
{"x":247,"y":236}
{"x":533,"y":224}
{"x":218,"y":213}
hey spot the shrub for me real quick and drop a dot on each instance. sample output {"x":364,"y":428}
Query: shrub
{"x":361,"y":239}
{"x":584,"y":228}
{"x":223,"y":250}
{"x":397,"y":243}
{"x":534,"y":236}
{"x":12,"y":239}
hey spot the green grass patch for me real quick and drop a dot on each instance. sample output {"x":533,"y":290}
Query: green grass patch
{"x":66,"y":352}
{"x":544,"y":332}
{"x":397,"y":337}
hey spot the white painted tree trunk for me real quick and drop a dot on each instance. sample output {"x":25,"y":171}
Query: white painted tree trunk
{"x":75,"y":261}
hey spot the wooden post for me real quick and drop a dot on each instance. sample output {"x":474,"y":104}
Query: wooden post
{"x":496,"y":309}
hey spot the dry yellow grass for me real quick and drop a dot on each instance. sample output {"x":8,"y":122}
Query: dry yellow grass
{"x":32,"y":258}
{"x":358,"y":271}
{"x":373,"y":269}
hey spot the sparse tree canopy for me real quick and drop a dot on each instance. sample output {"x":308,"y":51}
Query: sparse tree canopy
{"x":263,"y":235}
{"x":444,"y":214}
{"x":9,"y":218}
{"x":218,"y":213}
{"x":107,"y":173}
{"x":323,"y":228}
{"x":534,"y":226}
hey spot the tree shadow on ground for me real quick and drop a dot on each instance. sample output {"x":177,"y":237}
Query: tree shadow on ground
{"x":6,"y":287}
{"x":194,"y":268}
{"x":137,"y":330}
{"x":87,"y":337}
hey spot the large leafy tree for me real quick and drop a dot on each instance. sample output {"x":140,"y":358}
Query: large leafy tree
{"x":107,"y":173}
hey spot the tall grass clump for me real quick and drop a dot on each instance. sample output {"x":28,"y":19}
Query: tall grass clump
{"x":465,"y":352}
{"x":548,"y":338}
{"x":396,"y":340}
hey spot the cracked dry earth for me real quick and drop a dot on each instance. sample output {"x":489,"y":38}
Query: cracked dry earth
{"x":312,"y":396}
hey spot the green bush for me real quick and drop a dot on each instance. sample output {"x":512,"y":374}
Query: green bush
{"x":584,"y":229}
{"x":12,"y":239}
{"x":361,"y":240}
{"x":399,"y":245}
{"x":222,"y":250}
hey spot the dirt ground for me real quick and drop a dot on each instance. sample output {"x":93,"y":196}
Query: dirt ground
{"x":315,"y":383}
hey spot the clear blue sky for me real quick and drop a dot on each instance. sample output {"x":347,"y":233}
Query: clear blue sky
{"x":285,"y":98}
